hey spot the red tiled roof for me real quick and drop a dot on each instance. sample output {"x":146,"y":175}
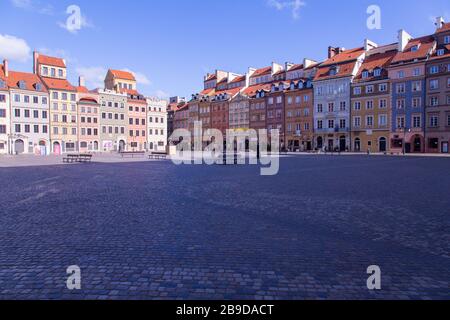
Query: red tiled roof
{"x":380,"y":60}
{"x":211,"y":77}
{"x":30,"y":80}
{"x":425,"y":45}
{"x":238,"y":79}
{"x":444,"y":28}
{"x":446,"y":54}
{"x":207,"y":92}
{"x":124,"y":75}
{"x":344,"y":56}
{"x":58,"y":84}
{"x":230,"y":92}
{"x":296,"y":67}
{"x":262,"y":72}
{"x":82,"y":90}
{"x":345,"y":70}
{"x":51,"y":61}
{"x":251,"y":91}
{"x":345,"y":61}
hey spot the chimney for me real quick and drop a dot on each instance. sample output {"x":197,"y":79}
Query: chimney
{"x":35,"y":62}
{"x":332,"y":52}
{"x":403,"y":39}
{"x":6,"y":68}
{"x":81,"y":81}
{"x":369,"y":45}
{"x":439,"y":22}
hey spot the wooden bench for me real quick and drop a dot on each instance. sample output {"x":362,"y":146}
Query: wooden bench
{"x":132,"y":154}
{"x":77,"y":158}
{"x":157,"y":156}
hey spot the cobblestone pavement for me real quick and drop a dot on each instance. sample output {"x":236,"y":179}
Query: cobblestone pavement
{"x":153,"y":230}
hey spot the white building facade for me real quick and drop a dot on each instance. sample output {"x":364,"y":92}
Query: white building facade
{"x":29,"y":100}
{"x":4,"y":117}
{"x":113,"y":120}
{"x":156,"y":124}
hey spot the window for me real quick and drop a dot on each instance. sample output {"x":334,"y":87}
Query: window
{"x":319,"y":108}
{"x":369,"y":121}
{"x":36,"y":128}
{"x":330,"y":124}
{"x":382,"y":120}
{"x":357,"y":90}
{"x":416,"y":86}
{"x":60,"y":73}
{"x":270,"y":101}
{"x":2,"y":98}
{"x":434,"y":101}
{"x":369,"y":89}
{"x":27,"y":113}
{"x":377,"y":72}
{"x":383,"y":104}
{"x":17,"y":113}
{"x":289,"y":100}
{"x":64,"y":96}
{"x":342,"y":124}
{"x":434,"y":121}
{"x":357,"y":105}
{"x":448,"y":82}
{"x":447,"y":40}
{"x":401,"y":88}
{"x":357,"y":122}
{"x":2,"y":113}
{"x":369,"y":105}
{"x":417,"y":102}
{"x":2,"y":129}
{"x":44,"y":100}
{"x":365,"y":74}
{"x":55,"y":95}
{"x":400,"y":122}
{"x":400,"y":74}
{"x":320,"y":124}
{"x":17,"y":128}
{"x":434,"y":84}
{"x":417,"y":121}
{"x":416,"y":72}
{"x":279,"y":99}
{"x":382,"y":87}
{"x":401,"y":104}
{"x":331,"y":107}
{"x":434,"y":69}
{"x":35,"y":114}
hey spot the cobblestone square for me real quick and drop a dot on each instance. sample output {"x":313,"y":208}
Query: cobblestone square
{"x":153,"y":230}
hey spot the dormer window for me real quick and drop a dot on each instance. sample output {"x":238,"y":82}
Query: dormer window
{"x":365,"y":74}
{"x":2,"y":84}
{"x":415,"y":48}
{"x":440,"y":52}
{"x":38,"y":87}
{"x":292,"y":85}
{"x":334,"y":71}
{"x":21,"y":84}
{"x":377,"y":72}
{"x":300,"y":85}
{"x":273,"y":88}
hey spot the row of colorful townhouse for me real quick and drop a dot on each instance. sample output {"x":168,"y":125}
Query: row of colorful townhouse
{"x":42,"y":113}
{"x":390,"y":98}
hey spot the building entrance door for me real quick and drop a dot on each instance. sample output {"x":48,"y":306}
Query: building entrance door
{"x":444,"y":147}
{"x":330,"y":145}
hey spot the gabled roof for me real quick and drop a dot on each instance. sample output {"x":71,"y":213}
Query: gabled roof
{"x":51,"y":61}
{"x":446,"y":54}
{"x":379,"y":60}
{"x":123,"y":75}
{"x":30,"y":80}
{"x":295,"y":67}
{"x":344,"y":63}
{"x":344,"y":56}
{"x":425,"y":46}
{"x":252,"y":90}
{"x":58,"y":84}
{"x":211,"y":77}
{"x":238,"y":79}
{"x":262,"y":72}
{"x":444,"y":28}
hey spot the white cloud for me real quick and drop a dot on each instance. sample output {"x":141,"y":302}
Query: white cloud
{"x":293,"y":5}
{"x":33,"y":5}
{"x":94,"y":76}
{"x":140,"y":77}
{"x":13,"y":48}
{"x":161,"y":94}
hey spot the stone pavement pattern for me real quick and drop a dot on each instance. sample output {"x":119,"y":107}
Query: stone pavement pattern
{"x":153,"y":230}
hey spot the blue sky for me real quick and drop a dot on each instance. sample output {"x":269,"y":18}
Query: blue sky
{"x":171,"y":44}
